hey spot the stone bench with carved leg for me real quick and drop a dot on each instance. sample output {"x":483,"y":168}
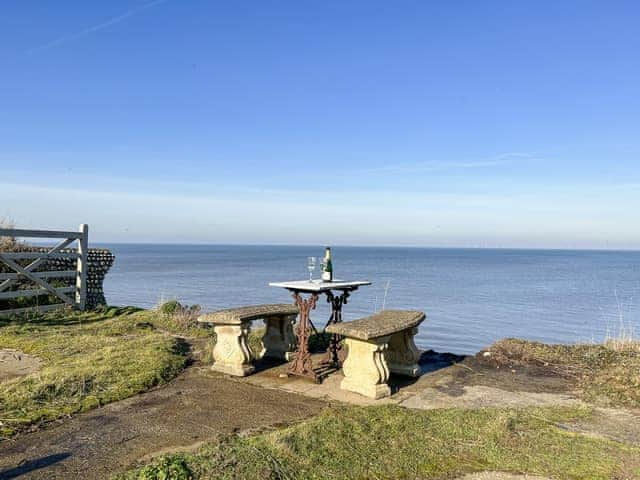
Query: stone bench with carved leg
{"x":377,"y":345}
{"x":231,"y":352}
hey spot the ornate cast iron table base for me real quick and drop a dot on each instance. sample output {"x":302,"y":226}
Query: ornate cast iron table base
{"x":302,"y":364}
{"x":335,"y":353}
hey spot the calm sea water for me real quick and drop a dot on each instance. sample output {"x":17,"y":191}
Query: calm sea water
{"x":472,"y":297}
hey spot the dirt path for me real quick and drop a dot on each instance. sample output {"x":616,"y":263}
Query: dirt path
{"x":195,"y":407}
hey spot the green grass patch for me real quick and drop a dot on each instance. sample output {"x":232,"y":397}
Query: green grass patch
{"x":166,"y":468}
{"x":604,"y":373}
{"x":394,"y":442}
{"x":88,"y":359}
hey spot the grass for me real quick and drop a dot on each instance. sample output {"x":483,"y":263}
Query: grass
{"x":89,"y":359}
{"x":606,"y":374}
{"x":94,"y":358}
{"x":394,"y":442}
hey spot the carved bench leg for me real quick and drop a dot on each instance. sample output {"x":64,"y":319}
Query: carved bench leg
{"x":403,"y":355}
{"x":365,"y":368}
{"x":279,"y":340}
{"x":231,"y":355}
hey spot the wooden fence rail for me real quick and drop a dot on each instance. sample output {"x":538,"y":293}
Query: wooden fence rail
{"x":39,"y":278}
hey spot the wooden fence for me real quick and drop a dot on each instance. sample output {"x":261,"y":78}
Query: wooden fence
{"x":37,"y":273}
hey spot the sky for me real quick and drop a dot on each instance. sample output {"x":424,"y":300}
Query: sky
{"x":471,"y":124}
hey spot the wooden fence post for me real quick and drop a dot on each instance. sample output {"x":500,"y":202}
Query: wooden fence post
{"x":83,"y":266}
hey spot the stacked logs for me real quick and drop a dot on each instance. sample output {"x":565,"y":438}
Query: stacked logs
{"x":99,"y":260}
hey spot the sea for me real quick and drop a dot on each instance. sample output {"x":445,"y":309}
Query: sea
{"x":471,"y":297}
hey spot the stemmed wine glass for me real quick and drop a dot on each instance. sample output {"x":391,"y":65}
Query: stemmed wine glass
{"x":311,"y":266}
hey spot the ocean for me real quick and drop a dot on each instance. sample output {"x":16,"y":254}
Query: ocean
{"x":471,"y":297}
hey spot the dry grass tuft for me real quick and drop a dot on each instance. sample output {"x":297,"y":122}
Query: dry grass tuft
{"x":625,"y":338}
{"x":8,"y":244}
{"x":629,"y":345}
{"x":179,"y":317}
{"x":606,"y":373}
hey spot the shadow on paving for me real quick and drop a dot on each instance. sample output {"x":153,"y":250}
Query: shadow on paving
{"x":32,"y":465}
{"x":190,"y":410}
{"x":430,"y":362}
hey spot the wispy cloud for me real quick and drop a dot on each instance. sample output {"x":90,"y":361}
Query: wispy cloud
{"x":437,"y":166}
{"x":95,"y":28}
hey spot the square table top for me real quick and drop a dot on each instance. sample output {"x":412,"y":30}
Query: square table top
{"x":320,"y":286}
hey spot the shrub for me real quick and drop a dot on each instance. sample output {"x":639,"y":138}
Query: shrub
{"x":171,"y":307}
{"x":183,"y":316}
{"x":167,"y":468}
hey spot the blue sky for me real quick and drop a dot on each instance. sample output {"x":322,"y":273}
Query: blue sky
{"x":502,"y":124}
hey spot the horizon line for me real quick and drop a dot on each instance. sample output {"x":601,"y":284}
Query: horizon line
{"x":338,"y":245}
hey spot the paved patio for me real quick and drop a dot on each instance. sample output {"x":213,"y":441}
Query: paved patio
{"x":273,"y":375}
{"x":446,"y":380}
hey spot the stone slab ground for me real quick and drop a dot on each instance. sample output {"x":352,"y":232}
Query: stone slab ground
{"x":446,"y":381}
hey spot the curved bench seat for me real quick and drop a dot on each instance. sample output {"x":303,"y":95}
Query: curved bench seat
{"x":377,"y":345}
{"x":235,"y":316}
{"x":231,"y":352}
{"x":387,"y":322}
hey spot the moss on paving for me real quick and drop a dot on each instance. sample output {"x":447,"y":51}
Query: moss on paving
{"x":89,"y":359}
{"x":394,"y":442}
{"x":606,"y":374}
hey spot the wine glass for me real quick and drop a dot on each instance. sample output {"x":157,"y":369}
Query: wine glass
{"x":311,"y":266}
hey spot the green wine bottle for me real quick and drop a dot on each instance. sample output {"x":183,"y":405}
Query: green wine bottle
{"x":327,"y":266}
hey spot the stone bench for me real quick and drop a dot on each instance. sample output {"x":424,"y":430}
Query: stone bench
{"x":232,"y":354}
{"x":376,"y":345}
